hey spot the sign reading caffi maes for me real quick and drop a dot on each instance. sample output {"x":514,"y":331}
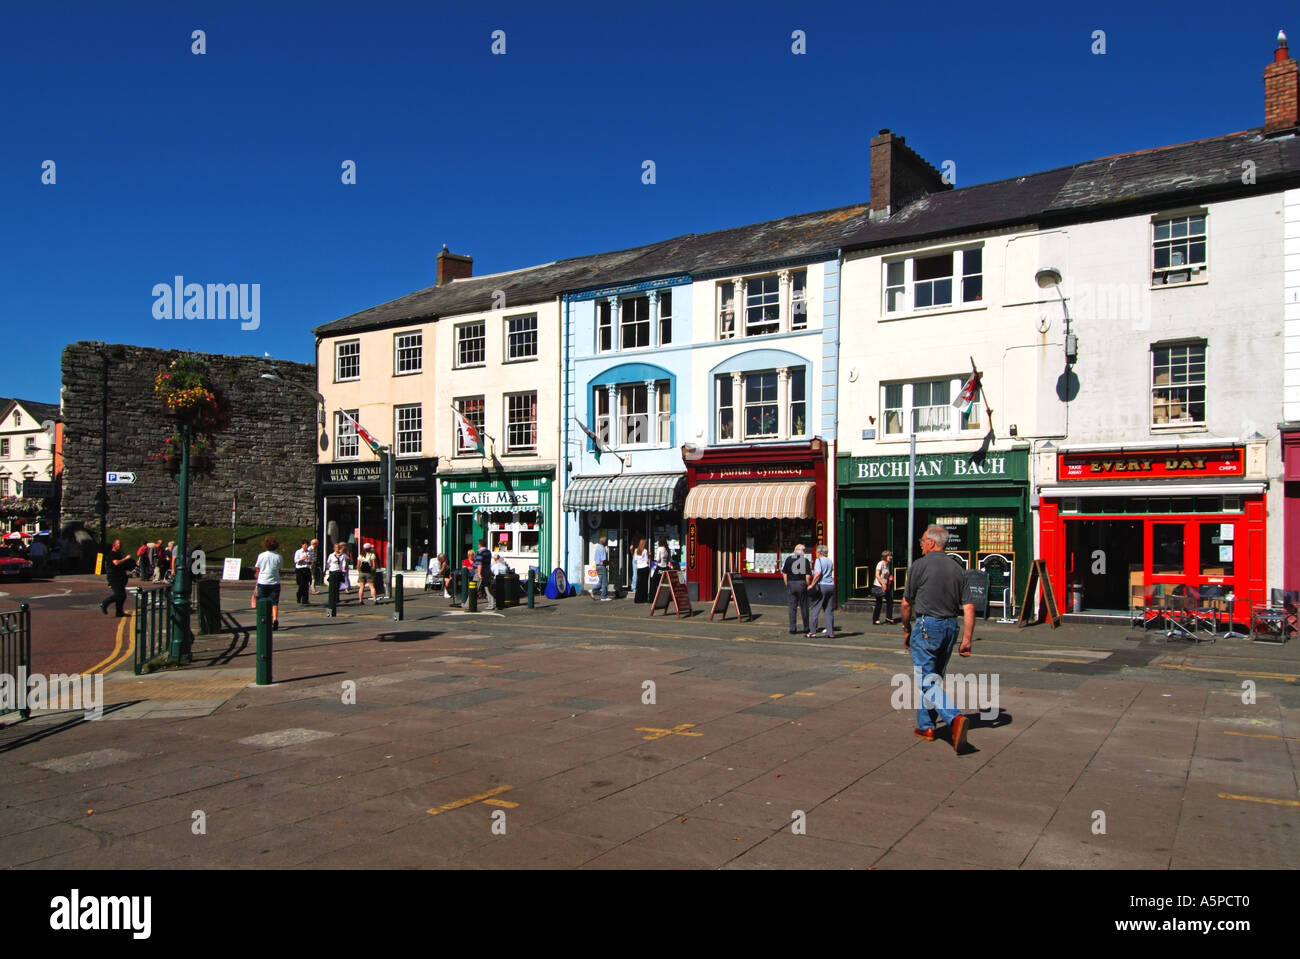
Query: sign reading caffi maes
{"x":1148,"y":464}
{"x":1012,"y":465}
{"x":504,"y":498}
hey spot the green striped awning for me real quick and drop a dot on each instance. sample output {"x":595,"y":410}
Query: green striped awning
{"x":634,"y":491}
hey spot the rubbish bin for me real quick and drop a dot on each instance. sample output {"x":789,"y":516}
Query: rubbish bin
{"x":1076,"y":596}
{"x":209,"y":605}
{"x":463,"y":577}
{"x":510,"y":588}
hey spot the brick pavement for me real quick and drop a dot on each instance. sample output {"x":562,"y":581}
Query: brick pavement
{"x":534,"y":723}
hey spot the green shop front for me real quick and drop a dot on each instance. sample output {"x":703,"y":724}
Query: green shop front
{"x":510,"y":510}
{"x":984,"y":506}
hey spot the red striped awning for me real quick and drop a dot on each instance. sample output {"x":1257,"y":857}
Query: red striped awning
{"x":752,"y":501}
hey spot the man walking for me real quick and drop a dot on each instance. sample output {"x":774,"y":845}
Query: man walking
{"x":797,"y":572}
{"x":302,"y":571}
{"x":601,"y":560}
{"x":936,"y":595}
{"x":119,"y":566}
{"x":313,"y":560}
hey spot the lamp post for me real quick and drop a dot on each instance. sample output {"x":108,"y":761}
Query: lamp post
{"x":1050,"y":278}
{"x":180,"y":620}
{"x":103,"y":460}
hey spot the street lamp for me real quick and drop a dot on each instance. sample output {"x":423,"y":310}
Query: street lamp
{"x":1051,"y":278}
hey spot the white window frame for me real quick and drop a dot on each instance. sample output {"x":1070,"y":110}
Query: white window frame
{"x":665,"y":317}
{"x":763,"y":303}
{"x":522,"y":336}
{"x":958,"y":279}
{"x":478,"y":423}
{"x":1186,"y":388}
{"x":629,"y":322}
{"x":953,"y":423}
{"x":720,"y":407}
{"x":408,"y":348}
{"x":605,"y":326}
{"x":1195,"y":270}
{"x":726,"y":318}
{"x":409,"y":435}
{"x":790,"y":413}
{"x":343,"y":432}
{"x":798,"y":299}
{"x":463,"y":341}
{"x":339,"y":357}
{"x":774,"y":402}
{"x":4,"y":446}
{"x":529,"y":424}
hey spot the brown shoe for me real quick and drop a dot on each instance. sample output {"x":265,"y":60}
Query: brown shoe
{"x":959,"y":726}
{"x":926,"y":734}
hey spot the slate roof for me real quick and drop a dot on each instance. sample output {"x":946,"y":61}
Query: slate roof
{"x":39,"y":411}
{"x":1198,"y":170}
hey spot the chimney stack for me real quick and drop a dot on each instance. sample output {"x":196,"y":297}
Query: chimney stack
{"x":1280,"y":106}
{"x":899,"y":175}
{"x":453,"y":266}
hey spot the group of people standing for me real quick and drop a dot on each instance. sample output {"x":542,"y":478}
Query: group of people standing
{"x":808,"y":582}
{"x":646,"y":570}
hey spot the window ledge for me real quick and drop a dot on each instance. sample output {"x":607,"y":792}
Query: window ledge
{"x":935,"y":311}
{"x":409,"y":373}
{"x":932,"y":437}
{"x":1178,"y":427}
{"x":524,"y":455}
{"x":1198,"y":281}
{"x":520,"y":359}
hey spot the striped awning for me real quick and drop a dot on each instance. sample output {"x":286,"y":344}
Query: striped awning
{"x":752,"y":501}
{"x":634,"y":491}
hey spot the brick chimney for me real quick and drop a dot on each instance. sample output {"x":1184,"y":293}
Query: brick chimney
{"x":453,"y":266}
{"x":1280,"y":90}
{"x":899,"y":175}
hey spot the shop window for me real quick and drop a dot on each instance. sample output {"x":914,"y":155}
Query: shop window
{"x":521,"y":422}
{"x":1178,"y":385}
{"x":604,"y":326}
{"x":634,"y":323}
{"x":1167,"y":548}
{"x":470,"y":407}
{"x":347,"y":444}
{"x":932,"y":281}
{"x":408,"y":350}
{"x":347,"y":361}
{"x":1178,"y":249}
{"x":521,"y":337}
{"x":471,"y":344}
{"x":410,"y":430}
{"x":665,"y":317}
{"x":1217,"y":542}
{"x":515,"y":532}
{"x":767,"y":542}
{"x":996,"y":534}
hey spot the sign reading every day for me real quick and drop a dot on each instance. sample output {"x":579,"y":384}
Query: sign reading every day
{"x":1152,"y":463}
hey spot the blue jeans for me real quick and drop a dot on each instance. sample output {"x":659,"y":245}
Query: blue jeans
{"x":602,"y":580}
{"x":932,"y":643}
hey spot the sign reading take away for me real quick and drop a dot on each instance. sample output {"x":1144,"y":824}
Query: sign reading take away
{"x":120,"y":478}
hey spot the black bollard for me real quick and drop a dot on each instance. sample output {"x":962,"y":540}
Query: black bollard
{"x":399,"y":598}
{"x":532,"y":583}
{"x":263,"y":642}
{"x":473,"y":596}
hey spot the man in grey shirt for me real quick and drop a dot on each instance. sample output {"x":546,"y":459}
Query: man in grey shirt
{"x":936,"y":595}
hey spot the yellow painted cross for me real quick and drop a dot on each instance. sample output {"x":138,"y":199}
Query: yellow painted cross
{"x":680,"y":730}
{"x":456,"y":804}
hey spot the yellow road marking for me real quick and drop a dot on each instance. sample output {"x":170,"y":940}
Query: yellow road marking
{"x":447,"y":807}
{"x":1285,"y":677}
{"x":776,"y":696}
{"x":680,"y":730}
{"x":503,"y":803}
{"x":859,"y":667}
{"x":130,"y":646}
{"x":1233,"y":732}
{"x":117,"y":647}
{"x":1271,"y":802}
{"x":805,"y":694}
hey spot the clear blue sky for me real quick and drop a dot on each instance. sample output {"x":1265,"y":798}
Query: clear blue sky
{"x":225,"y":167}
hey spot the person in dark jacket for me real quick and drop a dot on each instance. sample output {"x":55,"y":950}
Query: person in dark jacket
{"x":119,"y":566}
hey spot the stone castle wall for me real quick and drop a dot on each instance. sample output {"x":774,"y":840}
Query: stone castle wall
{"x":268,"y":454}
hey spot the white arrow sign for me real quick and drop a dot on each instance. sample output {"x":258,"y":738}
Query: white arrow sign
{"x":122,"y":478}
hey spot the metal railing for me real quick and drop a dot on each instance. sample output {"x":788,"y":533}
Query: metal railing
{"x":16,"y":653}
{"x":153,"y":609}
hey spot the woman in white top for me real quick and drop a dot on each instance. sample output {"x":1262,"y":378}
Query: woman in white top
{"x":641,"y":560}
{"x":268,"y":577}
{"x":883,"y":589}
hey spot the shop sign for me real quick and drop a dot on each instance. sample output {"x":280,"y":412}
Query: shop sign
{"x":691,"y":542}
{"x":1152,"y":464}
{"x":941,"y":468}
{"x":499,"y":498}
{"x":359,"y":474}
{"x":754,"y":472}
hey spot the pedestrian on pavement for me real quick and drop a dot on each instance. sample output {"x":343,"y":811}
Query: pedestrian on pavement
{"x":314,"y":561}
{"x":38,"y":555}
{"x":169,"y":561}
{"x":641,"y":571}
{"x":440,"y":569}
{"x":631,"y":561}
{"x":823,"y":584}
{"x":302,"y":571}
{"x":118,"y":568}
{"x":936,"y":595}
{"x":268,"y":565}
{"x":883,"y":587}
{"x":142,"y":561}
{"x":482,"y":561}
{"x":797,"y":572}
{"x":601,"y":559}
{"x":367,"y":567}
{"x":159,"y":561}
{"x":336,"y":570}
{"x":663,"y":562}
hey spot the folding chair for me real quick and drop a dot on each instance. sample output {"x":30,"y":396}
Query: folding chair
{"x":1178,"y":613}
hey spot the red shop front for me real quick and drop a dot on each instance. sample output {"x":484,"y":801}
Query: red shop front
{"x":1180,"y":517}
{"x":746,"y":508}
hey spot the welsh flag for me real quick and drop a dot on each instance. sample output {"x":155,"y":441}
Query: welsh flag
{"x":970,"y":392}
{"x":591,"y":436}
{"x":361,"y":431}
{"x":467,"y":435}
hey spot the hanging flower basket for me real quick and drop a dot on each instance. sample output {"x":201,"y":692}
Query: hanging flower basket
{"x":19,"y":506}
{"x":193,"y":399}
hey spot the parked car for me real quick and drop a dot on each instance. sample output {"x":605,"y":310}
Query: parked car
{"x":14,"y":565}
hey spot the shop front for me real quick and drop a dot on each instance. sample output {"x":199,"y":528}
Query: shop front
{"x":352,"y":508}
{"x":1177,"y":517}
{"x":510,"y":511}
{"x":984,"y":506}
{"x":746,"y":508}
{"x":1291,"y":505}
{"x":623,"y":508}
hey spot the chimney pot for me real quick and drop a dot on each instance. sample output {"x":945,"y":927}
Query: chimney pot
{"x":1281,"y":109}
{"x":453,"y":266}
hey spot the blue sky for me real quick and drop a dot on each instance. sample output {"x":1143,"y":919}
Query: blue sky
{"x":226,"y":167}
